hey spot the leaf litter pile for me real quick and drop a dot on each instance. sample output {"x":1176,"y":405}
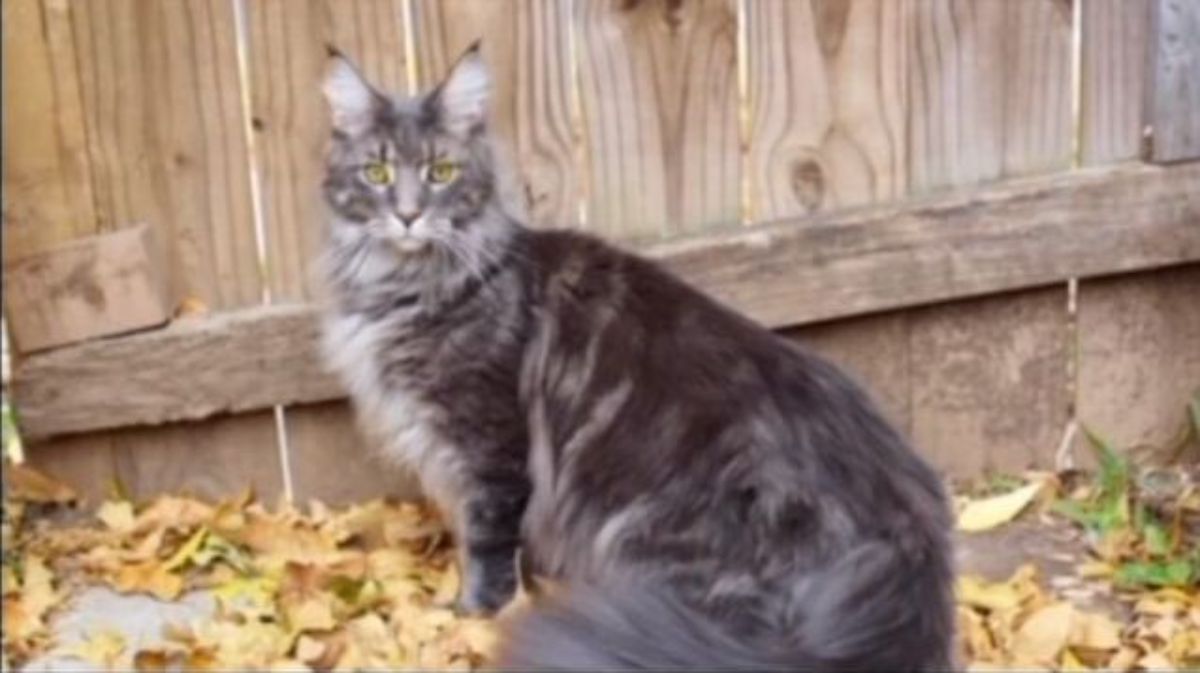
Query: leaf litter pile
{"x":369,"y":586}
{"x":364,"y":587}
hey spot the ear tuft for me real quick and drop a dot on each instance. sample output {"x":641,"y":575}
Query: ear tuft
{"x":352,"y":101}
{"x":464,"y":95}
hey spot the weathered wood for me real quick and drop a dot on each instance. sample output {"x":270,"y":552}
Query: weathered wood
{"x":95,"y":286}
{"x":229,"y":362}
{"x":989,"y":389}
{"x":1115,"y":34}
{"x":990,"y":92}
{"x":1139,"y":358}
{"x":827,"y":105}
{"x":658,"y":88}
{"x":332,"y":462}
{"x":1028,"y":233}
{"x":161,"y":96}
{"x":1173,"y":97}
{"x":526,"y":47}
{"x":956,"y":85}
{"x":47,"y":178}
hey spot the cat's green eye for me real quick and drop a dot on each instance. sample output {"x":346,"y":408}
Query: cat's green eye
{"x":441,"y":172}
{"x":378,"y":173}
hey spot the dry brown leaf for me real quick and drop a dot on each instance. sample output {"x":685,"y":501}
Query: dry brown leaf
{"x":1041,"y":638}
{"x":148,"y":577}
{"x":23,"y":483}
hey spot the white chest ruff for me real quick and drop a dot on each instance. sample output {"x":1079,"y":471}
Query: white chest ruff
{"x":402,"y":425}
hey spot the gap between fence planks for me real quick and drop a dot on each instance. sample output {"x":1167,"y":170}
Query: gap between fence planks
{"x":1021,"y":234}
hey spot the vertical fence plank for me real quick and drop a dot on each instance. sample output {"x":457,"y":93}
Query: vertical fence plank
{"x":1115,"y":52}
{"x":658,"y":86}
{"x":287,"y":62}
{"x":1174,"y":97}
{"x":526,"y":46}
{"x":1038,"y":128}
{"x":47,"y":180}
{"x":989,"y":389}
{"x":160,"y":86}
{"x":165,"y":144}
{"x":1138,"y":358}
{"x":827,"y":104}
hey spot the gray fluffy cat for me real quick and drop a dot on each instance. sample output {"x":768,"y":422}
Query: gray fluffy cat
{"x":704,"y":492}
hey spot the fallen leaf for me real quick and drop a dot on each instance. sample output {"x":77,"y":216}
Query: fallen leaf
{"x":103,"y":648}
{"x":148,"y":577}
{"x":988,"y":513}
{"x":23,"y":483}
{"x":117,"y":515}
{"x":1041,"y":638}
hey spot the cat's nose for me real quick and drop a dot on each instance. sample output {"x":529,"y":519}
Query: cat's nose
{"x":408,"y":217}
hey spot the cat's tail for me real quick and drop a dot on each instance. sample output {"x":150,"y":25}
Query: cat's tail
{"x":869,"y":611}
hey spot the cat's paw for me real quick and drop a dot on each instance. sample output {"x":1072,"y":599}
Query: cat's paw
{"x":481,"y":603}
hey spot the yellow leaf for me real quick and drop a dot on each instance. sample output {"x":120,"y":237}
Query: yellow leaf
{"x":171,"y":511}
{"x":103,"y":648}
{"x":988,"y":513}
{"x":186,"y":550}
{"x":37,"y":586}
{"x":1071,"y":663}
{"x":1156,"y":661}
{"x":1125,"y":659}
{"x":1095,"y":631}
{"x":309,"y":649}
{"x":977,"y":592}
{"x":148,"y":577}
{"x":1042,"y":637}
{"x":1095,"y":570}
{"x":117,"y":515}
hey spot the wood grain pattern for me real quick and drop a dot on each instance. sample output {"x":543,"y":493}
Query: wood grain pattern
{"x":1038,"y":127}
{"x":1174,"y":96}
{"x":1139,"y":356}
{"x":828,"y":98}
{"x":658,"y":88}
{"x":231,"y":362}
{"x":160,"y":94}
{"x":90,"y":287}
{"x":1034,"y":232}
{"x":990,"y":94}
{"x":526,"y":46}
{"x":333,"y":463}
{"x":1115,"y":52}
{"x":286,"y":54}
{"x":956,"y":85}
{"x":164,"y":126}
{"x":47,"y":179}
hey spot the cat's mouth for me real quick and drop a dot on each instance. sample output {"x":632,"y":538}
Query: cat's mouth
{"x":409,"y":244}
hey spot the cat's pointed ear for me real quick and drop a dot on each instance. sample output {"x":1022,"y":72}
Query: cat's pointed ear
{"x":352,"y":101}
{"x":462,"y":98}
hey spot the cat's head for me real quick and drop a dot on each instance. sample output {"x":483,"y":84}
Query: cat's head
{"x":412,"y":178}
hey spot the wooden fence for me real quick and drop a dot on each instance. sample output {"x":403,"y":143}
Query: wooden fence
{"x":911,"y":186}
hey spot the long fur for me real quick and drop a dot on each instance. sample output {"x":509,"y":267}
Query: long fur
{"x":854,"y":616}
{"x":705,"y":492}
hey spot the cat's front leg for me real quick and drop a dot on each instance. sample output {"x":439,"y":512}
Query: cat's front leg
{"x":490,"y":532}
